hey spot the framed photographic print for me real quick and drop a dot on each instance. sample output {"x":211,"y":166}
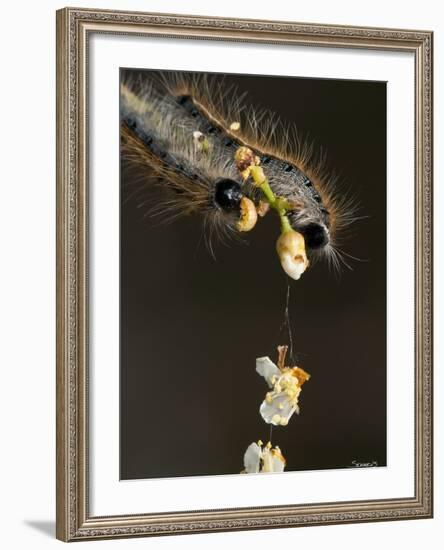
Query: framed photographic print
{"x":244,"y":274}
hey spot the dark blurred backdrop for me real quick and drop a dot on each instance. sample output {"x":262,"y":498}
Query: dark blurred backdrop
{"x":191,"y":327}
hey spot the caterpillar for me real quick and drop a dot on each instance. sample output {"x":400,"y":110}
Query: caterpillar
{"x":201,"y":142}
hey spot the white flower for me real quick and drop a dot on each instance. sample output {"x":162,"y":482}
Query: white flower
{"x":285,"y":383}
{"x":259,"y":459}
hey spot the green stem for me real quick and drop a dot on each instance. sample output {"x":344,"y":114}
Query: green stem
{"x":285,"y":224}
{"x":269,"y":195}
{"x":277,"y":204}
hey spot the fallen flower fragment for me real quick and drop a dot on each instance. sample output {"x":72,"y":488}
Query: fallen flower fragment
{"x":285,"y":384}
{"x":263,"y":459}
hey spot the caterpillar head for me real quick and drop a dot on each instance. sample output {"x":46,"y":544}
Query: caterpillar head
{"x":227,"y":194}
{"x":316,"y":235}
{"x":308,"y":215}
{"x":313,"y":221}
{"x":322,"y":216}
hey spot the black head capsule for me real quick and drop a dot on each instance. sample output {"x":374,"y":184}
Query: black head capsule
{"x":227,"y":194}
{"x":315,"y":235}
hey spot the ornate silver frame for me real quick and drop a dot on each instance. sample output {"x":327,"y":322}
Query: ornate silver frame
{"x":74,"y":521}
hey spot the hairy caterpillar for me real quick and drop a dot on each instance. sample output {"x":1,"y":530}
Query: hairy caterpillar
{"x":185,"y":132}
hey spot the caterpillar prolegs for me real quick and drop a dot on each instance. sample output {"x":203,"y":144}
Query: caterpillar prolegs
{"x":229,"y":162}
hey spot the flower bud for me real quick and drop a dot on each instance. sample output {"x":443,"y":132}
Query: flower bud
{"x":201,"y":143}
{"x":291,"y":250}
{"x":198,"y":137}
{"x":245,"y":159}
{"x":248,"y":215}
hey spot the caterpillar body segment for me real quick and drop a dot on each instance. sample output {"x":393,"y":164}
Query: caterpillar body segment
{"x":183,"y":132}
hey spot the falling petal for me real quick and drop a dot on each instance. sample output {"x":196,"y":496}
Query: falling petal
{"x":266,"y":368}
{"x":252,"y":458}
{"x":277,"y":408}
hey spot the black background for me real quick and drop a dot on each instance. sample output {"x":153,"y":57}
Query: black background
{"x":191,"y":327}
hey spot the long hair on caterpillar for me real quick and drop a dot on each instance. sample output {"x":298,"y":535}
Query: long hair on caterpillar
{"x":216,"y":155}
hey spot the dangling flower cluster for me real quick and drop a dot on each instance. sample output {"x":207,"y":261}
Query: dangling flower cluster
{"x":277,"y":408}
